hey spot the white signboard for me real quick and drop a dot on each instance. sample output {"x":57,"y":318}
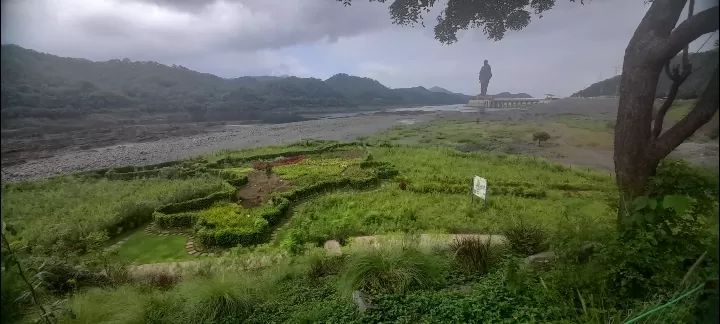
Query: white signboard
{"x":479,"y":187}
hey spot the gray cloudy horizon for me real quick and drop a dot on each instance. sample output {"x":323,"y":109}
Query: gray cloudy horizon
{"x":569,"y":48}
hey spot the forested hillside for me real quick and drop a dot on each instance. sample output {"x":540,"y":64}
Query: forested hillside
{"x":702,"y":64}
{"x":41,"y":88}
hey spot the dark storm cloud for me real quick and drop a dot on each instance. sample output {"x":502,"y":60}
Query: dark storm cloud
{"x":572,"y":46}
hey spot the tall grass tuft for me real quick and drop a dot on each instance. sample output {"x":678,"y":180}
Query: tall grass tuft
{"x":525,"y":239}
{"x":392,"y":271}
{"x":474,"y":254}
{"x":220,"y":300}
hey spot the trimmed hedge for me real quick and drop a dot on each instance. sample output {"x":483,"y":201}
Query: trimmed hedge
{"x":178,"y":220}
{"x":197,"y":203}
{"x":230,"y":161}
{"x":132,"y":215}
{"x":229,"y":237}
{"x":233,"y":178}
{"x":209,"y":235}
{"x":132,"y":175}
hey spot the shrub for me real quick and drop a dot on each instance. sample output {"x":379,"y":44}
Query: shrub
{"x":220,"y":300}
{"x":525,"y":239}
{"x":197,"y":203}
{"x":179,"y":220}
{"x":474,"y":254}
{"x":540,"y":137}
{"x":130,"y":216}
{"x":161,"y":279}
{"x":393,"y":271}
{"x":321,"y":264}
{"x":61,"y":277}
{"x":227,"y":225}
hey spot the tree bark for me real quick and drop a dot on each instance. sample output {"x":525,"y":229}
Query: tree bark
{"x":653,"y":44}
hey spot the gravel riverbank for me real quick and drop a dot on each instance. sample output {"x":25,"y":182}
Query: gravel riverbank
{"x":184,"y":147}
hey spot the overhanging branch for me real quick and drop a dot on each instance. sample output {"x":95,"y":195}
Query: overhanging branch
{"x":704,"y":22}
{"x":677,"y":80}
{"x":705,"y":108}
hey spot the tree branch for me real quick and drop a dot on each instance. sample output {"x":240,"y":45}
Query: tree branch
{"x":660,"y":117}
{"x":704,"y":22}
{"x":704,"y":110}
{"x":677,"y":80}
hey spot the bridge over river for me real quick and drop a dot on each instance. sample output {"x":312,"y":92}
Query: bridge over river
{"x":506,"y":103}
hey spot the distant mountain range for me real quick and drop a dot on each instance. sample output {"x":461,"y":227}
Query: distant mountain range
{"x":702,"y":64}
{"x":40,"y":88}
{"x":502,"y":95}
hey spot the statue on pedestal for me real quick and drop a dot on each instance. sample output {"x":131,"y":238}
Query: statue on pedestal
{"x":485,"y":76}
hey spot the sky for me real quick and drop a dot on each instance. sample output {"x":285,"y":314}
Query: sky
{"x":566,"y":50}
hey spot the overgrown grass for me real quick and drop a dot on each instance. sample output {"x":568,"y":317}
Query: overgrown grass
{"x":438,"y":197}
{"x":46,"y":211}
{"x":144,"y":248}
{"x":578,"y":121}
{"x":271,"y":149}
{"x":313,"y":170}
{"x":412,"y":285}
{"x":229,"y":215}
{"x":499,"y":136}
{"x":393,"y":271}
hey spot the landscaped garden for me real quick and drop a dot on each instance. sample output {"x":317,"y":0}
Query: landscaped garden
{"x":275,"y":234}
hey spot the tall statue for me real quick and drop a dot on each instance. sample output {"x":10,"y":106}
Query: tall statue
{"x":485,"y":76}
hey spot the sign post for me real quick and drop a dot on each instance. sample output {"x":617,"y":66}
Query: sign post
{"x":479,"y":188}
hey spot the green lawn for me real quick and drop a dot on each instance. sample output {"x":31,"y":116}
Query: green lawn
{"x":144,"y":248}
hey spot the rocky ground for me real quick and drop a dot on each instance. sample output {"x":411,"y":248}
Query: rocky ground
{"x":174,"y":148}
{"x":172,"y":142}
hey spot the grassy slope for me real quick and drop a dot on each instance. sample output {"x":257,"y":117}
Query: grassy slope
{"x":46,"y":210}
{"x":390,"y":209}
{"x":574,"y":205}
{"x":144,"y":248}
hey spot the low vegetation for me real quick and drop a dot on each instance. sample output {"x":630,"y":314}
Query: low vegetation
{"x":62,"y":210}
{"x":272,"y":232}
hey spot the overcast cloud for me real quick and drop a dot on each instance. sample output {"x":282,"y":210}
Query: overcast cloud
{"x":571,"y":47}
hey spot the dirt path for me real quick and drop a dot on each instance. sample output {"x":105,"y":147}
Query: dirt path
{"x":259,"y":188}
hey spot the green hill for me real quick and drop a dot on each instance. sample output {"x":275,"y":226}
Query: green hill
{"x":40,"y":88}
{"x":702,"y":63}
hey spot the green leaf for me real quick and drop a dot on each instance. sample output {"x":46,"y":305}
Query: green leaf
{"x":649,"y":217}
{"x":678,"y":203}
{"x":640,"y":202}
{"x":652,"y":203}
{"x":7,"y":228}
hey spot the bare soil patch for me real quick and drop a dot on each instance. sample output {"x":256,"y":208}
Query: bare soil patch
{"x":259,"y":188}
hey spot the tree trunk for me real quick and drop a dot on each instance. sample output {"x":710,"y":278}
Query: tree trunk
{"x":654,"y":43}
{"x":638,"y":86}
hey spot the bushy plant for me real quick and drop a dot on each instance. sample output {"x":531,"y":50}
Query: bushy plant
{"x":220,"y":300}
{"x":475,"y":254}
{"x":162,"y":279}
{"x":525,"y":239}
{"x":393,"y":271}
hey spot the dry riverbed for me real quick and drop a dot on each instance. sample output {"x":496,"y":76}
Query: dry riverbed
{"x":170,"y":149}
